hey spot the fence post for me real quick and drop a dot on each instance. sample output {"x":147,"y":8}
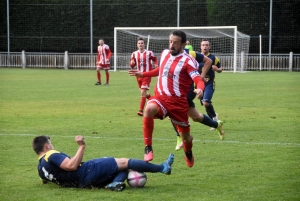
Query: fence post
{"x":23,"y":59}
{"x":66,"y":60}
{"x":242,"y":61}
{"x":291,"y":62}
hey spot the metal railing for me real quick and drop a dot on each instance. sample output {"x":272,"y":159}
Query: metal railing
{"x":253,"y":62}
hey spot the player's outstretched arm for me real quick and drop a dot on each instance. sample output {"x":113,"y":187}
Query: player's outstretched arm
{"x":71,"y":164}
{"x":136,"y":73}
{"x":199,"y":86}
{"x":199,"y":93}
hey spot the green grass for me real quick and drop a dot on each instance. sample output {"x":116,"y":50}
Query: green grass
{"x":258,"y":160}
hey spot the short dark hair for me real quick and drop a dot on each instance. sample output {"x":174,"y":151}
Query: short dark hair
{"x":140,"y":38}
{"x":205,"y":40}
{"x":180,"y":34}
{"x":39,"y":142}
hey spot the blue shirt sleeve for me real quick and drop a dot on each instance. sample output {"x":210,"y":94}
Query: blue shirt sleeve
{"x":217,"y":62}
{"x":58,"y":158}
{"x":199,"y":57}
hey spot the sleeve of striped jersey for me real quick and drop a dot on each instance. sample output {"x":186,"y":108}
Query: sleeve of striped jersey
{"x":98,"y":56}
{"x":199,"y":83}
{"x":108,"y":53}
{"x":152,"y":73}
{"x":154,"y":59}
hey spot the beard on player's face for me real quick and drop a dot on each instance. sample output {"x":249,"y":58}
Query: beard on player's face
{"x":174,"y":51}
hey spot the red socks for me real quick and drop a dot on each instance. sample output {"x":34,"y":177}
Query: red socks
{"x":148,"y":127}
{"x":107,"y":77}
{"x":142,"y":103}
{"x":99,"y":76}
{"x":187,"y":147}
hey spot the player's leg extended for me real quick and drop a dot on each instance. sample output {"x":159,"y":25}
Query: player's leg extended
{"x":144,"y":84}
{"x":107,"y":76}
{"x":190,"y":96}
{"x":206,"y":100}
{"x":142,"y":166}
{"x":203,"y":119}
{"x":98,"y":76}
{"x":143,"y":98}
{"x":151,"y":111}
{"x":187,"y":140}
{"x":178,"y":112}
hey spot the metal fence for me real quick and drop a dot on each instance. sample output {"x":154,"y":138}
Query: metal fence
{"x":253,"y":62}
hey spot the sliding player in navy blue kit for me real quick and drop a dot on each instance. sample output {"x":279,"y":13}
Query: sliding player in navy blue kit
{"x":108,"y":172}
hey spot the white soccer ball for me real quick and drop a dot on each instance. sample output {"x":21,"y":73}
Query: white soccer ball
{"x":136,"y":179}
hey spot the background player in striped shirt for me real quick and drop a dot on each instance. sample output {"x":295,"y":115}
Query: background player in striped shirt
{"x":209,"y":80}
{"x":143,"y":59}
{"x":176,"y":72}
{"x":103,"y":61}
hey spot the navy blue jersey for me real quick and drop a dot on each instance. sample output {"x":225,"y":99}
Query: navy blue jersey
{"x":199,"y":57}
{"x":49,"y":169}
{"x":96,"y":172}
{"x":210,"y":76}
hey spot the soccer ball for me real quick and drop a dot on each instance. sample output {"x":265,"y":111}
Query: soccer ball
{"x":136,"y":179}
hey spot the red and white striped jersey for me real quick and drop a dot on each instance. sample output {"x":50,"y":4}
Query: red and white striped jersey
{"x":176,"y":74}
{"x":104,"y":54}
{"x":143,"y":60}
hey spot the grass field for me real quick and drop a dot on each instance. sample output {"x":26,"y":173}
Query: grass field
{"x":258,"y":160}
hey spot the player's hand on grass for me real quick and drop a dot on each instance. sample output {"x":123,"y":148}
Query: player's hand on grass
{"x":199,"y":93}
{"x":136,"y":73}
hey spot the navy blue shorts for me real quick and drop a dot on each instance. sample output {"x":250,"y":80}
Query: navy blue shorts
{"x":208,"y":92}
{"x":98,"y":172}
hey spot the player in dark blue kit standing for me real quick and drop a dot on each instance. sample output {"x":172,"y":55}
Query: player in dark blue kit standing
{"x":108,"y":172}
{"x":209,"y":81}
{"x":193,"y":113}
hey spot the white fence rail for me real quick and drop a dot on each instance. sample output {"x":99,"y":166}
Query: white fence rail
{"x":251,"y":62}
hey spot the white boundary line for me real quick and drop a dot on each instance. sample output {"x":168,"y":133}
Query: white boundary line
{"x":165,"y":139}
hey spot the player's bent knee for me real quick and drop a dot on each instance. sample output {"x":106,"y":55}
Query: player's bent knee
{"x":183,"y":130}
{"x":206,"y":104}
{"x":151,"y":109}
{"x":122,"y":163}
{"x":196,"y":119}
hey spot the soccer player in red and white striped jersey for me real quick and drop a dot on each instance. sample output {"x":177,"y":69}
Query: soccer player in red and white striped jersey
{"x":176,"y":72}
{"x":103,"y":61}
{"x":143,"y":59}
